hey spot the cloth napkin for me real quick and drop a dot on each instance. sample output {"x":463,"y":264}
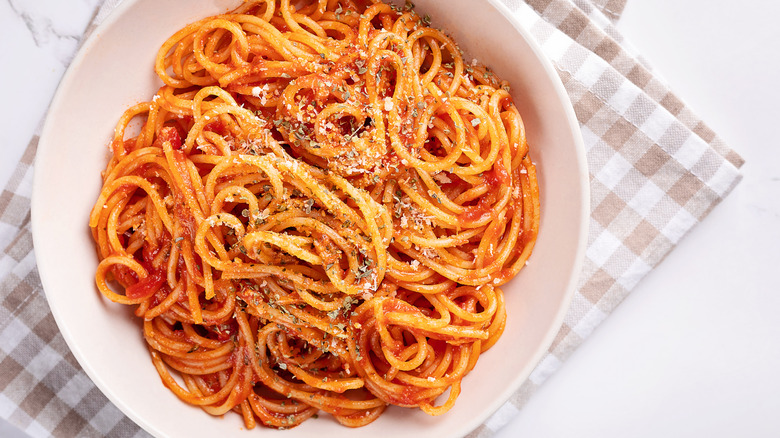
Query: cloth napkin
{"x":656,"y":170}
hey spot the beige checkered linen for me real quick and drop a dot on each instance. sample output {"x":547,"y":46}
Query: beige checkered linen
{"x":655,"y":171}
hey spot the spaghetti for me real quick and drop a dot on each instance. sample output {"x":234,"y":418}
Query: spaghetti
{"x":317,"y":212}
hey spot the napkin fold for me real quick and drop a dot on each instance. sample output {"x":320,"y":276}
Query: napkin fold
{"x":656,"y":170}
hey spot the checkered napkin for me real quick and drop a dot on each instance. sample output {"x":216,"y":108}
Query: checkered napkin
{"x":656,"y":170}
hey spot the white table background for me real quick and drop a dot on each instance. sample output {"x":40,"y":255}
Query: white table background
{"x":695,"y":349}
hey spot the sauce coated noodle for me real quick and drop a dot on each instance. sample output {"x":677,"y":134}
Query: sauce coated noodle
{"x":317,"y":213}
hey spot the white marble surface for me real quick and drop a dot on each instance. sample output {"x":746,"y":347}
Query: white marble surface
{"x":695,"y":349}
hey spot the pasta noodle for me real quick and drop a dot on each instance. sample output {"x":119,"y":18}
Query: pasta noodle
{"x":317,"y":212}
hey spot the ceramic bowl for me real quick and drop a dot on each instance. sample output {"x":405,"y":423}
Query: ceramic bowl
{"x":113,"y":70}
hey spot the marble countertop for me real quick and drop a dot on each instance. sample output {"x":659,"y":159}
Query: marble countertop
{"x":705,"y":366}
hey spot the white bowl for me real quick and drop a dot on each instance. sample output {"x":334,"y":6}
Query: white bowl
{"x":113,"y":70}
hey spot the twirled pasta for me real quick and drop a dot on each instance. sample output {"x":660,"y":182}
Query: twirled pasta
{"x":317,"y":212}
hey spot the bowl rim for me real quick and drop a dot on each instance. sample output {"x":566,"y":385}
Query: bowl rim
{"x":513,"y":385}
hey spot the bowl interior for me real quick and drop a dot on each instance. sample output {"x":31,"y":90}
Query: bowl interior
{"x":114,"y":70}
